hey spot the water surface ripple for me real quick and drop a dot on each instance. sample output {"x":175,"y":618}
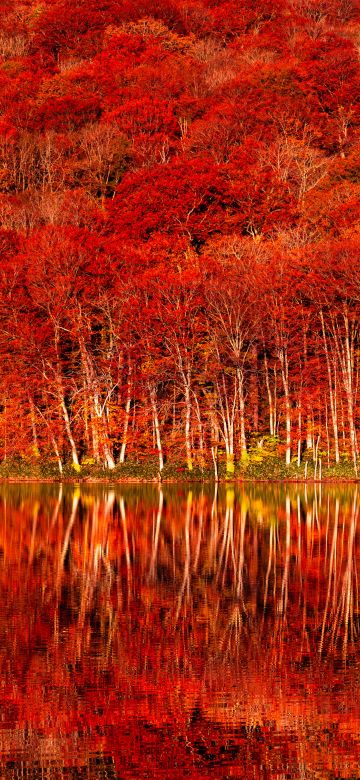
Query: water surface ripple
{"x":175,"y":632}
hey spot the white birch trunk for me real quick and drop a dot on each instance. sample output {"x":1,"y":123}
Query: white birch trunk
{"x":243,"y":448}
{"x":332,"y":391}
{"x":285,"y":379}
{"x":126,"y":425}
{"x":270,"y":399}
{"x":156,"y":427}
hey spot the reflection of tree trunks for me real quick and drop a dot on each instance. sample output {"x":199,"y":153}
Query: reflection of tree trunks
{"x":186,"y":580}
{"x":271,"y":545}
{"x":282,"y":604}
{"x":331,"y":574}
{"x":224,"y":541}
{"x":156,"y":536}
{"x":85,"y":583}
{"x":90,"y":563}
{"x":36,"y":509}
{"x":75,"y":502}
{"x":126,"y":544}
{"x":199,"y":539}
{"x":239,"y":560}
{"x":253,"y":566}
{"x":240,"y":566}
{"x":214,"y":528}
{"x":230,"y":497}
{"x":348,"y":585}
{"x":57,"y":508}
{"x":227,"y":538}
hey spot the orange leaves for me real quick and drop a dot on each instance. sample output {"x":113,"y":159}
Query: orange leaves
{"x":160,"y":160}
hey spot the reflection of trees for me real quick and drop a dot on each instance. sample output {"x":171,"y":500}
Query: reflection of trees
{"x":173,"y":595}
{"x":237,"y":554}
{"x":342,"y":598}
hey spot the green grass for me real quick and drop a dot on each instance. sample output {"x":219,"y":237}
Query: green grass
{"x":262,"y":465}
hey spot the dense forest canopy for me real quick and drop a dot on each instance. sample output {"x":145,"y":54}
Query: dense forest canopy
{"x":180,"y":230}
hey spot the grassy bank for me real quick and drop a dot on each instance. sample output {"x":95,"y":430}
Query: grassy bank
{"x":252,"y":468}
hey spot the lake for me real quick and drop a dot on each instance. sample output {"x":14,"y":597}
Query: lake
{"x":179,"y":632}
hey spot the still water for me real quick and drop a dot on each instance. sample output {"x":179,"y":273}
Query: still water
{"x":179,"y":633}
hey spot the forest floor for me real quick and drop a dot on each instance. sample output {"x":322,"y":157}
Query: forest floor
{"x":268,"y":469}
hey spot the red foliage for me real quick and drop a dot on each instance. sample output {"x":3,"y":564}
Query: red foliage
{"x":147,"y":147}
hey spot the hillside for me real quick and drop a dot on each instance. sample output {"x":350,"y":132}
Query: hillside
{"x":180,"y":234}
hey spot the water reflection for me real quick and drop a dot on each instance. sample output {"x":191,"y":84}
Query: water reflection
{"x":168,"y":632}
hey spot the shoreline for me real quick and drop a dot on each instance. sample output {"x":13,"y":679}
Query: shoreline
{"x":174,"y":481}
{"x":270,"y":470}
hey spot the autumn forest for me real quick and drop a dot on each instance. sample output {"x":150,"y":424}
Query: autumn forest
{"x":180,"y":235}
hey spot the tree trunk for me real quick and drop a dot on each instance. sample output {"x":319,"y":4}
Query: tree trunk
{"x":188,"y":426}
{"x":240,"y":377}
{"x":156,"y":427}
{"x":270,"y":399}
{"x":126,"y":419}
{"x":125,"y":429}
{"x":74,"y":454}
{"x":332,"y":391}
{"x":285,"y":379}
